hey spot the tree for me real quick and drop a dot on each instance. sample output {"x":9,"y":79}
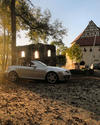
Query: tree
{"x":5,"y":25}
{"x":13,"y":31}
{"x":8,"y":6}
{"x":75,"y":53}
{"x":60,"y":47}
{"x":22,"y":16}
{"x":38,"y":23}
{"x":32,"y":19}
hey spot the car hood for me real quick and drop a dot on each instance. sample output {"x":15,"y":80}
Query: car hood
{"x":55,"y":68}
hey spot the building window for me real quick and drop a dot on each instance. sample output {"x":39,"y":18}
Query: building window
{"x":22,"y":54}
{"x":36,"y":55}
{"x":88,"y":34}
{"x":49,"y":53}
{"x":84,"y":50}
{"x":95,"y":33}
{"x":90,"y":49}
{"x":82,"y":63}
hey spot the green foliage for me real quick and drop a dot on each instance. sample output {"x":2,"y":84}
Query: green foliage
{"x":60,"y":47}
{"x":35,"y":22}
{"x":5,"y":20}
{"x":63,"y":50}
{"x":38,"y":23}
{"x":75,"y":53}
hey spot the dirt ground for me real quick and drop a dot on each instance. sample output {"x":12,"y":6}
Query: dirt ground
{"x":76,"y":102}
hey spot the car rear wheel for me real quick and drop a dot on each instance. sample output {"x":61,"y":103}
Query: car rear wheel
{"x":13,"y":77}
{"x":52,"y":77}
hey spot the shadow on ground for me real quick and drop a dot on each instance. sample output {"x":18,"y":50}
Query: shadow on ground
{"x":78,"y":92}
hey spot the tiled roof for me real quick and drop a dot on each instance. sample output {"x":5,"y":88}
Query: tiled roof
{"x":88,"y":41}
{"x":78,"y":37}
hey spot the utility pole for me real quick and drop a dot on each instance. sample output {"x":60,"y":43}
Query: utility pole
{"x":93,"y":48}
{"x":13,"y":29}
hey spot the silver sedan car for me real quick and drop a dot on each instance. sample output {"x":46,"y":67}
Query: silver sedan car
{"x":38,"y":71}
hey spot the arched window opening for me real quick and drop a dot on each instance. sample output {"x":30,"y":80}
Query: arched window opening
{"x":36,"y":55}
{"x":90,"y":49}
{"x":82,"y":63}
{"x":84,"y":50}
{"x":49,"y":53}
{"x":22,"y":54}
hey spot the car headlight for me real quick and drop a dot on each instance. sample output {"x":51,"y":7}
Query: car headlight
{"x":67,"y":71}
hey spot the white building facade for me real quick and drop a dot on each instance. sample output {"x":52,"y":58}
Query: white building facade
{"x":89,"y":41}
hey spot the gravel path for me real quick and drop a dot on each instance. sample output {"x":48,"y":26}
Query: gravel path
{"x":76,"y":102}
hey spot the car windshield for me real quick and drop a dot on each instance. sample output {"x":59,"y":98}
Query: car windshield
{"x":39,"y":63}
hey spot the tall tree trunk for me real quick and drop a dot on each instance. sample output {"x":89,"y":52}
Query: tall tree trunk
{"x":4,"y":47}
{"x":13,"y":28}
{"x":7,"y":50}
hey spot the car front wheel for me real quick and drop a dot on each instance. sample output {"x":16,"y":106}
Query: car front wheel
{"x":13,"y":77}
{"x":52,"y":77}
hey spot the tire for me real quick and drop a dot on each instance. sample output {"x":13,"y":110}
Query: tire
{"x":12,"y":76}
{"x":52,"y":77}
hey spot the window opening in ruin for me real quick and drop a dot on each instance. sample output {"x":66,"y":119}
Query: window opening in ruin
{"x":36,"y":54}
{"x":22,"y":54}
{"x":49,"y":53}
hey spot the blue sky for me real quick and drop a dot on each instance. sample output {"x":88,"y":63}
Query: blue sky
{"x":74,"y":14}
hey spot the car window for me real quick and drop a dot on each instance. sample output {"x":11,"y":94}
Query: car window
{"x":31,"y":63}
{"x":41,"y":63}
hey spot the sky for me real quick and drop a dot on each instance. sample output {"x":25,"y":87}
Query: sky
{"x":74,"y":14}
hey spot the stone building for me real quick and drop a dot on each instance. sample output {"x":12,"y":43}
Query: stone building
{"x":42,"y":52}
{"x":89,"y":41}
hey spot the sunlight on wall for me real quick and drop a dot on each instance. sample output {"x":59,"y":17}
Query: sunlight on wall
{"x":49,"y":53}
{"x":36,"y":54}
{"x":22,"y":53}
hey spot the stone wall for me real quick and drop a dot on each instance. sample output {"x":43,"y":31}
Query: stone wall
{"x":42,"y":50}
{"x":91,"y":55}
